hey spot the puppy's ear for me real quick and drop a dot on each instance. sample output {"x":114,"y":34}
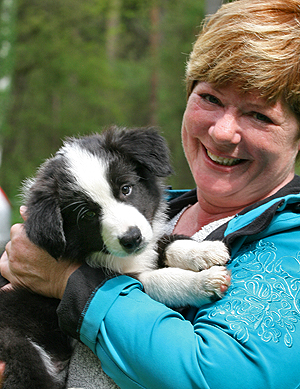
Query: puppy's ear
{"x":147,"y":147}
{"x":44,"y":224}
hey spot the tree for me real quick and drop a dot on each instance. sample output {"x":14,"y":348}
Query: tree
{"x":154,"y":50}
{"x":113,"y":29}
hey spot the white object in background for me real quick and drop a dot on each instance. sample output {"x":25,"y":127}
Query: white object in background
{"x":5,"y":220}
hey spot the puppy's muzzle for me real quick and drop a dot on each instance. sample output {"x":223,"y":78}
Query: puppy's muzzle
{"x":132,"y":240}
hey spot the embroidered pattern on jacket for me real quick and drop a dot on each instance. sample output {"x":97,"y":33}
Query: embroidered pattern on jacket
{"x":264,"y":296}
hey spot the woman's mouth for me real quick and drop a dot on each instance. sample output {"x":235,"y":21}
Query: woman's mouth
{"x":223,"y":161}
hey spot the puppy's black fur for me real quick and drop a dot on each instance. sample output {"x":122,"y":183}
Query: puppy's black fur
{"x":27,"y":321}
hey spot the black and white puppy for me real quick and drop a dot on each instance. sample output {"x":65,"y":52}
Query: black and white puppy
{"x":100,"y":199}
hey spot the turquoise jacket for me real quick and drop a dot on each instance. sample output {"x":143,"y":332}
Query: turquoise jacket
{"x":248,"y":339}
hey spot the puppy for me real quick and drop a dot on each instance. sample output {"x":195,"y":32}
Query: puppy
{"x":101,"y":200}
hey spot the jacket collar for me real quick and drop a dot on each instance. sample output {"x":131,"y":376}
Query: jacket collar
{"x":259,"y":215}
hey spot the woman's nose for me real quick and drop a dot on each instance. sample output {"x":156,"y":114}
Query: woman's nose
{"x":226,"y":129}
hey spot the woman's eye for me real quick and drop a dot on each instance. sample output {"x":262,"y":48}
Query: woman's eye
{"x":211,"y":98}
{"x":126,"y":190}
{"x":261,"y":117}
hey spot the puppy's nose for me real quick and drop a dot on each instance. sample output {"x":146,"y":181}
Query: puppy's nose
{"x":131,"y":240}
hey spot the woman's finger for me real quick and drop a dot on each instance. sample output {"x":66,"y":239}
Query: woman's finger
{"x":2,"y":369}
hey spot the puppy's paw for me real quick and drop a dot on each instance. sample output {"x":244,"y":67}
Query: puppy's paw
{"x":214,"y":282}
{"x":213,"y":253}
{"x":192,"y":255}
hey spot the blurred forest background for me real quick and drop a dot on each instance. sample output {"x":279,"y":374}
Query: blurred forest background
{"x":73,"y":67}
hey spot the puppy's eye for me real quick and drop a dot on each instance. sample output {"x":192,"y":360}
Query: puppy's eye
{"x":90,"y":214}
{"x":126,"y":190}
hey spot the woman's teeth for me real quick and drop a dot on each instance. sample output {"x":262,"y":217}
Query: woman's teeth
{"x":223,"y":161}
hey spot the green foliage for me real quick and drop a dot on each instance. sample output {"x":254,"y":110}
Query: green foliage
{"x":81,"y":66}
{"x":181,"y":25}
{"x":7,"y":38}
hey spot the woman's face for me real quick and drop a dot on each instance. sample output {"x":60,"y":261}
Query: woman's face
{"x":240,"y":150}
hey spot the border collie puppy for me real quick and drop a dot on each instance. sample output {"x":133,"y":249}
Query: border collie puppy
{"x":100,"y":199}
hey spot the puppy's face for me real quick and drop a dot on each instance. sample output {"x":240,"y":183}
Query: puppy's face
{"x":112,"y":209}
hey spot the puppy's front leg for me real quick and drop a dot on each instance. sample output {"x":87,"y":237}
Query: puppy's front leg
{"x":176,"y":287}
{"x":191,"y":255}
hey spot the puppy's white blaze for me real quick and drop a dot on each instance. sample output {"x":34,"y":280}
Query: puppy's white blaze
{"x":116,"y":221}
{"x":90,"y":173}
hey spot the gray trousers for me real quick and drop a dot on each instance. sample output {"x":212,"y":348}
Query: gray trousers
{"x":85,"y":371}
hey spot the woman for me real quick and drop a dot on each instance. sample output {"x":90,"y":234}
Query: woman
{"x":240,"y":134}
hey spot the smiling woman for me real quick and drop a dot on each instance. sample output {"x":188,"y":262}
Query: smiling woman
{"x":240,"y":147}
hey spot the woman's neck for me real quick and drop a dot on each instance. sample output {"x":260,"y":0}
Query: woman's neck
{"x":203,"y":212}
{"x":195,"y":217}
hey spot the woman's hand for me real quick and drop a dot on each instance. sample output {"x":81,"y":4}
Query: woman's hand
{"x":25,"y":264}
